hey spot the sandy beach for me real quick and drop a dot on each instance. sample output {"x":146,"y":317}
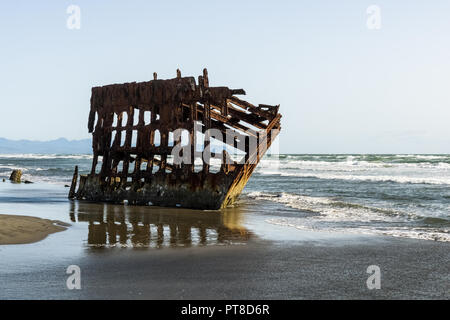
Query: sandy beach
{"x":410,"y":269}
{"x":24,"y":229}
{"x":133,"y":252}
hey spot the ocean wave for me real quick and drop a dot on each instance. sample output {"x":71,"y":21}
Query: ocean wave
{"x":349,"y":165}
{"x":412,"y":233}
{"x":48,"y":179}
{"x":12,"y":167}
{"x":422,"y":156}
{"x":45,"y":156}
{"x":365,"y":159}
{"x":334,"y":215}
{"x":439,"y":180}
{"x":329,"y":209}
{"x":52,"y":170}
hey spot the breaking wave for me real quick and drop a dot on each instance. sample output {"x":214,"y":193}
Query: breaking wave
{"x":414,"y":169}
{"x":373,"y":178}
{"x":45,"y":156}
{"x":334,"y":215}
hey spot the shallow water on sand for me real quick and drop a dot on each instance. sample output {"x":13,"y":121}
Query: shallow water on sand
{"x":96,"y":228}
{"x":395,"y":195}
{"x":151,"y":252}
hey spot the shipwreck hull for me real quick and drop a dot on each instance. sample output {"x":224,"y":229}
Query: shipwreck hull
{"x":164,"y":190}
{"x":139,"y":156}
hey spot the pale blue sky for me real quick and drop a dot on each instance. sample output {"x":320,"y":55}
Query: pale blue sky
{"x":342,"y":87}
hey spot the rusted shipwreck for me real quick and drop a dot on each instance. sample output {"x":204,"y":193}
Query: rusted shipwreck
{"x":139,"y":155}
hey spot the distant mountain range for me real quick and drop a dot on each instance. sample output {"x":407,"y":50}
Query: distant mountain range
{"x":58,"y":146}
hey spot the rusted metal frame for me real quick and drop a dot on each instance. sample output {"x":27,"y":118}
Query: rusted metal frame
{"x":245,"y":171}
{"x":113,"y":161}
{"x":127,"y":144}
{"x":204,"y":85}
{"x":151,"y":141}
{"x":265,"y":137}
{"x":113,"y":175}
{"x":193,"y":141}
{"x":271,"y":109}
{"x":262,"y":148}
{"x":239,"y":115}
{"x":230,"y":137}
{"x":249,"y":118}
{"x":191,"y":127}
{"x":163,"y":144}
{"x":254,"y":109}
{"x":92,"y":112}
{"x":253,"y":161}
{"x":107,"y":117}
{"x":209,"y":105}
{"x":218,"y":124}
{"x":215,"y":125}
{"x":224,"y":108}
{"x":149,"y":169}
{"x":168,"y":165}
{"x":96,"y":138}
{"x":177,"y":140}
{"x":139,"y":139}
{"x":229,"y":121}
{"x":233,"y":124}
{"x":128,"y":128}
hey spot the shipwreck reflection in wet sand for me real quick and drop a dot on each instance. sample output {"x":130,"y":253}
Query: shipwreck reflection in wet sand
{"x":155,"y":227}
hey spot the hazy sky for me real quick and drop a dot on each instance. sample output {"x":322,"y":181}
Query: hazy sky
{"x":343,"y":88}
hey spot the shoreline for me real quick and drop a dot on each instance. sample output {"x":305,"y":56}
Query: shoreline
{"x":133,"y":252}
{"x":17,"y":229}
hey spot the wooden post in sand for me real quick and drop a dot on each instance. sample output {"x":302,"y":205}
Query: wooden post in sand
{"x":74,"y":183}
{"x":16,"y":176}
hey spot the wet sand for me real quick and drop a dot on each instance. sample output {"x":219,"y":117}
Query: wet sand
{"x":410,"y":269}
{"x":24,"y":229}
{"x":128,"y":252}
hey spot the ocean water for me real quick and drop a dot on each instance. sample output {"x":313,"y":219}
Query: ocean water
{"x":394,"y":195}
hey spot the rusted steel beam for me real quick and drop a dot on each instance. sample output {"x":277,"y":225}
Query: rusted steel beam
{"x":257,"y":110}
{"x":138,"y":158}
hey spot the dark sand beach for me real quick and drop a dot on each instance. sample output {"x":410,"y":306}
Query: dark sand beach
{"x":127,"y":252}
{"x":259,"y":270}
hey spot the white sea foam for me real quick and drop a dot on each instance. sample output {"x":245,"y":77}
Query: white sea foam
{"x":412,"y":233}
{"x":430,"y":157}
{"x":375,"y":178}
{"x":329,"y":209}
{"x":353,"y":165}
{"x":45,"y":156}
{"x":13,"y":167}
{"x":331,"y":215}
{"x":55,"y":180}
{"x":359,"y":170}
